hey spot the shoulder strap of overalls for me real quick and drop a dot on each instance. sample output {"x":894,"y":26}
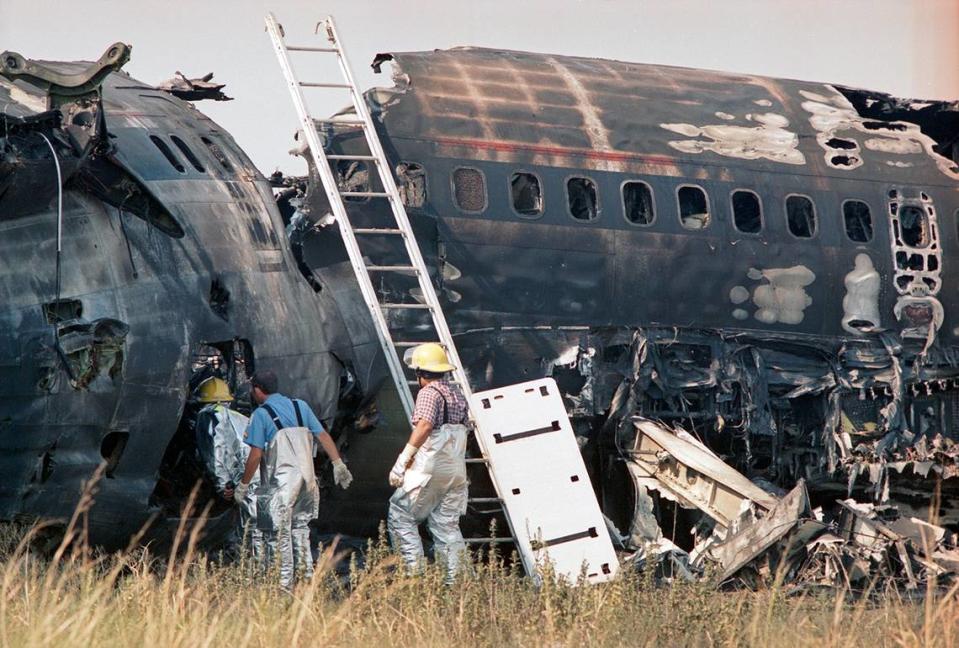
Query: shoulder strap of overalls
{"x":446,"y":413}
{"x":272,"y":414}
{"x":296,"y":408}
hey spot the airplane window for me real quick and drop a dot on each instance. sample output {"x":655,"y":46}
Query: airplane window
{"x":412,"y":183}
{"x":469,"y":189}
{"x":352,"y":176}
{"x":527,"y":194}
{"x":858,"y":221}
{"x":915,"y":226}
{"x":583,"y":203}
{"x":638,"y":203}
{"x":180,"y":144}
{"x":801,"y":216}
{"x":167,"y":153}
{"x":218,"y":154}
{"x":693,"y":207}
{"x":747,"y":212}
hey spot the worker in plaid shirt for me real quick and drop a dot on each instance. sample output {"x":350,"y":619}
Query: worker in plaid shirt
{"x":430,"y":473}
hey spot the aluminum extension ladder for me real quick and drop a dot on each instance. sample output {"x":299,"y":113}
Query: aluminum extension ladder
{"x":377,"y":158}
{"x":361,"y":269}
{"x":548,"y":513}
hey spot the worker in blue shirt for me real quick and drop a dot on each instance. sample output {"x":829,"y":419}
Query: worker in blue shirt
{"x":281,"y":438}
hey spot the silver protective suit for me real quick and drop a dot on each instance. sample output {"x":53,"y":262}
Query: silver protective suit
{"x":220,"y":441}
{"x":288,"y":498}
{"x":434,"y":490}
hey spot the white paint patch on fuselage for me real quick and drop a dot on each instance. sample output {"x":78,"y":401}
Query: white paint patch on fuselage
{"x":834,"y":114}
{"x":861,"y":304}
{"x":895,"y":146}
{"x":738,"y":294}
{"x":783,"y":299}
{"x":769,"y":140}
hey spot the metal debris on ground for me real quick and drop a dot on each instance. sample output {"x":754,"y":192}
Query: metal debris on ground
{"x":745,"y":535}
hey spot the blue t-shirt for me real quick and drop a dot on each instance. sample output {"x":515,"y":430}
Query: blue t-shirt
{"x":262,"y":429}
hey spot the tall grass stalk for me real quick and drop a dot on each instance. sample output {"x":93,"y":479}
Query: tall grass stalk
{"x":79,"y":597}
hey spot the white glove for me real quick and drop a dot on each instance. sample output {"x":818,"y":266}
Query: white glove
{"x":342,"y":476}
{"x":399,"y":468}
{"x":239,"y":492}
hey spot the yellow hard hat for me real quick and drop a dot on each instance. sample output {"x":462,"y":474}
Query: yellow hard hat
{"x":214,"y":390}
{"x":428,"y":357}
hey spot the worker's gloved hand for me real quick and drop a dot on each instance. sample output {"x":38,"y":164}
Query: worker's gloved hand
{"x":342,"y":476}
{"x":399,"y":468}
{"x":239,"y":493}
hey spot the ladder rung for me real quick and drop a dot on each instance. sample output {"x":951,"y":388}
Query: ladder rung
{"x":413,"y":344}
{"x":484,"y":500}
{"x":314,"y":84}
{"x":391,"y":268}
{"x":376,"y":230}
{"x":486,"y":540}
{"x":476,"y":460}
{"x":368,"y":158}
{"x":301,"y":48}
{"x":358,"y":123}
{"x":364,"y":194}
{"x":407,"y":306}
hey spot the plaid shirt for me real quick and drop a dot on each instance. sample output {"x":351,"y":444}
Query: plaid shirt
{"x":430,"y":401}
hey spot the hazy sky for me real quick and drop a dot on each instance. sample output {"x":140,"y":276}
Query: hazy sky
{"x":905,"y":47}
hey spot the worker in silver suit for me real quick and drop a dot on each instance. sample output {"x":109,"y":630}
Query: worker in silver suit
{"x":219,"y":440}
{"x":282,"y":436}
{"x":430,"y":473}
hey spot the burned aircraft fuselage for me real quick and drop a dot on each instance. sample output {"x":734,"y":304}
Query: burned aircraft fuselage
{"x":763,"y":261}
{"x":173,"y":253}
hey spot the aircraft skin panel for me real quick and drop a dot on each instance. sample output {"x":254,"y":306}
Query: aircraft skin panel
{"x":611,"y":115}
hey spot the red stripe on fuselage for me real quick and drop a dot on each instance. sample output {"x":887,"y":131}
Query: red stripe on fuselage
{"x":512,"y":147}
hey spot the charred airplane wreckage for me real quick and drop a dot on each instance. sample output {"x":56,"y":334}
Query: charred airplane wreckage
{"x":740,"y":284}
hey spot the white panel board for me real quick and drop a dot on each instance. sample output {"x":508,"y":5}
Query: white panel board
{"x":539,"y":473}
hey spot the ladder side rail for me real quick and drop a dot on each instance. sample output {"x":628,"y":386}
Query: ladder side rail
{"x":339,"y":211}
{"x":399,"y":213}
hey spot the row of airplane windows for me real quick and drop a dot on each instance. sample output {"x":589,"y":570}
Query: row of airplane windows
{"x":469,"y":194}
{"x":526,"y":195}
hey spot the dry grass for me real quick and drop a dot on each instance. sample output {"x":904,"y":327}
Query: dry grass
{"x":78,"y":598}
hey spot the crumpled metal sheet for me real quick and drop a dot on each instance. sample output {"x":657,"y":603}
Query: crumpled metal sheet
{"x":194,"y":89}
{"x":863,"y":543}
{"x":693,"y":474}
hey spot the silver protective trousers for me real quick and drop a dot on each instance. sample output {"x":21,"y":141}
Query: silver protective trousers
{"x":288,"y":498}
{"x":434,"y":490}
{"x":224,"y":454}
